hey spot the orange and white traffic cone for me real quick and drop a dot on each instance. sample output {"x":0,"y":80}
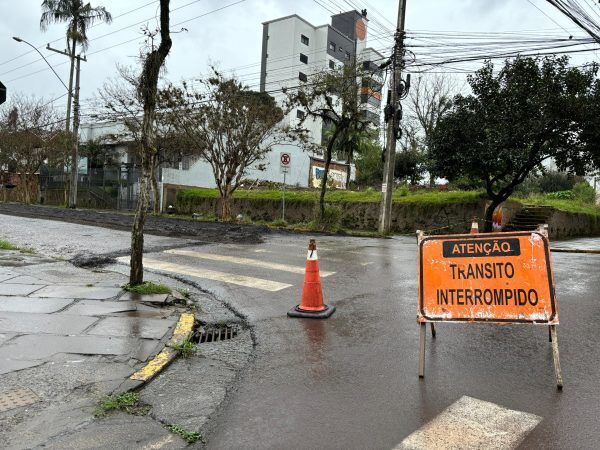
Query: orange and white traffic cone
{"x":311,"y":305}
{"x":474,"y":227}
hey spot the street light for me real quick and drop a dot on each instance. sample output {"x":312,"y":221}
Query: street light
{"x":18,"y":39}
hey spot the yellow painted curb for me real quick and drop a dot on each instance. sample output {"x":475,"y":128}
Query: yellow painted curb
{"x":182,"y":330}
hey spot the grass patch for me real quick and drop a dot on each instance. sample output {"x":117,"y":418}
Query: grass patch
{"x":571,"y":206}
{"x":128,"y":402}
{"x":186,"y":348}
{"x":189,"y":436}
{"x":185,"y":293}
{"x":147,"y":288}
{"x":5,"y":245}
{"x":400,"y":195}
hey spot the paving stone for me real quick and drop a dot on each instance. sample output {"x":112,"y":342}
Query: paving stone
{"x":19,"y":289}
{"x":33,"y":305}
{"x":6,"y":337}
{"x":44,"y":323}
{"x":114,"y":431}
{"x":26,"y":279}
{"x":7,"y":275}
{"x":96,"y":307}
{"x":85,"y":292}
{"x":151,"y":298}
{"x":34,"y":347}
{"x":12,"y":365}
{"x":132,"y":326}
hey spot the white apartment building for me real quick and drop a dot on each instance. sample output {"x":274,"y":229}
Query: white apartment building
{"x":294,"y":49}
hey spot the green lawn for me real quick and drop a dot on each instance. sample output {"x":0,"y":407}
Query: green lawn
{"x":400,"y":196}
{"x":562,"y":205}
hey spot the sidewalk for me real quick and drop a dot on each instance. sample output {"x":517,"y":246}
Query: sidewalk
{"x":68,"y":338}
{"x":579,"y":245}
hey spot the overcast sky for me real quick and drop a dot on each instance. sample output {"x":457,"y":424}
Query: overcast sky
{"x":232,"y":36}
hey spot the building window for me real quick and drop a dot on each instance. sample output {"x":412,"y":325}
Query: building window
{"x":331,"y":64}
{"x":302,"y":76}
{"x":347,"y":55}
{"x":332,"y":46}
{"x":300,"y":114}
{"x":303,"y":39}
{"x":185,"y":163}
{"x":341,"y":49}
{"x":303,"y":58}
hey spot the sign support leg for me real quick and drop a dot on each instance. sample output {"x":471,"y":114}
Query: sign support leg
{"x":549,"y":334}
{"x":432,"y":330}
{"x":422,"y":337}
{"x":555,"y":355}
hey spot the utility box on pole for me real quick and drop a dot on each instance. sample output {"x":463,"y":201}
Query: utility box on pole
{"x":2,"y":93}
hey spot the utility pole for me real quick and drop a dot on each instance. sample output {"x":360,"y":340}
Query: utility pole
{"x":73,"y":97}
{"x":393,"y":114}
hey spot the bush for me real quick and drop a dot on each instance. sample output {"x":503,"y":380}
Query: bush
{"x":403,"y":190}
{"x":331,"y":220}
{"x":561,"y":195}
{"x":584,"y":193}
{"x":555,"y":182}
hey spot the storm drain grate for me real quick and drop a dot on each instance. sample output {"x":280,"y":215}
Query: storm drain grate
{"x":212,"y":334}
{"x":16,"y":398}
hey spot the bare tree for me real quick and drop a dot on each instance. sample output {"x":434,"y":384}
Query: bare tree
{"x":118,"y":103}
{"x":28,"y":136}
{"x":229,"y":126}
{"x":429,"y":99}
{"x":147,"y":93}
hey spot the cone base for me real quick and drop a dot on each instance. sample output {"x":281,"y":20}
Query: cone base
{"x":299,"y":313}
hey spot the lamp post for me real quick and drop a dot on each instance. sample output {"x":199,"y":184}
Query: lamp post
{"x":71,"y":95}
{"x":18,"y":39}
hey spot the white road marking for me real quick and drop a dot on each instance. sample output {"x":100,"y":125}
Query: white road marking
{"x":232,"y":278}
{"x":244,"y":261}
{"x":470,"y":423}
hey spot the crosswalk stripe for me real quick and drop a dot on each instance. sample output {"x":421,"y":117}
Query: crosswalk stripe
{"x":232,"y":278}
{"x":470,"y":423}
{"x":244,"y":261}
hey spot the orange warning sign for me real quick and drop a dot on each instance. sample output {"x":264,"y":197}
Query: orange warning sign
{"x":496,"y":277}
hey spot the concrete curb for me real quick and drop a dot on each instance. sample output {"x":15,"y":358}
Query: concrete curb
{"x":574,"y":250}
{"x":183,"y":329}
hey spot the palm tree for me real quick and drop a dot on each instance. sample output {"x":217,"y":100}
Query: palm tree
{"x":79,"y":17}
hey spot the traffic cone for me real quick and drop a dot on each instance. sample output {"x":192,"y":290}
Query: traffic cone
{"x":474,"y":227}
{"x":311,"y":305}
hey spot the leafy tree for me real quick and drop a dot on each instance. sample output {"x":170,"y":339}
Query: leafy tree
{"x":227,"y":125}
{"x":332,"y":97}
{"x":532,"y":110}
{"x":368,"y":160}
{"x":118,"y":103}
{"x":410,"y":165}
{"x":147,"y":90}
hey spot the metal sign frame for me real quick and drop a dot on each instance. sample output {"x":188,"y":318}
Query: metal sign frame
{"x":551,"y":322}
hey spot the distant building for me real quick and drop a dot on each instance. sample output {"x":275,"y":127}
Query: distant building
{"x":292,"y":50}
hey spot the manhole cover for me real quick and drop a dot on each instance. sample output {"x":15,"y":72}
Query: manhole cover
{"x":17,"y":397}
{"x":212,"y":334}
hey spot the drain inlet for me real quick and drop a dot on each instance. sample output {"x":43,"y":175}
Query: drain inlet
{"x":215,"y":334}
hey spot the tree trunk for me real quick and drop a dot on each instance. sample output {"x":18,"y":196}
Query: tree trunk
{"x":136,"y":274}
{"x":328,"y":156}
{"x":489,"y":214}
{"x":226,"y":204}
{"x":147,"y":90}
{"x":155,"y":193}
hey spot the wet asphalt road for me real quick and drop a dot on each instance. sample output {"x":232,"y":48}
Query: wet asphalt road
{"x":351,"y":381}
